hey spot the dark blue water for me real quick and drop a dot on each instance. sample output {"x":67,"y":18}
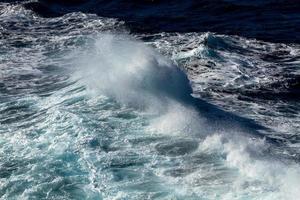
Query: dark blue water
{"x":149,"y":99}
{"x":270,"y":20}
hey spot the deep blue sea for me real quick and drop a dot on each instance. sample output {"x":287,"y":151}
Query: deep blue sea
{"x":150,"y":99}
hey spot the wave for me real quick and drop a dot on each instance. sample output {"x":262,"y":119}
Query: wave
{"x":134,"y":73}
{"x":93,"y":115}
{"x":238,"y":75}
{"x":137,"y":76}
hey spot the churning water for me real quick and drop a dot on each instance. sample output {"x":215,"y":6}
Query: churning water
{"x":89,"y":110}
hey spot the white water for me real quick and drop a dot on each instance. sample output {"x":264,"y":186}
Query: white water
{"x":137,"y":76}
{"x":114,"y":119}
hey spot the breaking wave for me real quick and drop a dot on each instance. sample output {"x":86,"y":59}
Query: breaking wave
{"x":90,"y":112}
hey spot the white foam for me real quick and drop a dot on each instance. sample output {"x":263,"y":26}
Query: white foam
{"x":132,"y":73}
{"x":177,"y":120}
{"x":266,"y":175}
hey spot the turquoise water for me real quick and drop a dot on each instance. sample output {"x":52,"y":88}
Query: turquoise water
{"x":92,"y":112}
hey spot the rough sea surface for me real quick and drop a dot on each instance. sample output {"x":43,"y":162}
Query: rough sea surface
{"x":133,"y":100}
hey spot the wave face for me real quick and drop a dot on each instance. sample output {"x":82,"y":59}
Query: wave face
{"x":90,"y":110}
{"x":133,"y":73}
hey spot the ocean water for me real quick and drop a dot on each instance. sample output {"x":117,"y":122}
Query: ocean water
{"x":123,"y":100}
